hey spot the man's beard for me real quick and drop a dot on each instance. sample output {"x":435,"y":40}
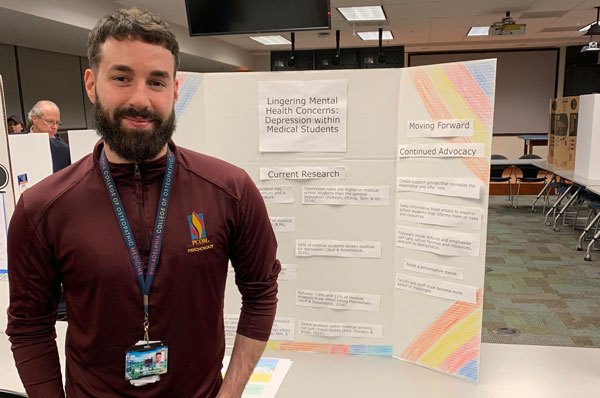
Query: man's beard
{"x":132,"y":144}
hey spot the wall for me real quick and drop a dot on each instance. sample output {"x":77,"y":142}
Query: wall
{"x":30,"y":75}
{"x":512,"y":147}
{"x":53,"y":76}
{"x":8,"y":71}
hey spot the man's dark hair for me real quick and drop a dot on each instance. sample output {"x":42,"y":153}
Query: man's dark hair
{"x":131,"y":23}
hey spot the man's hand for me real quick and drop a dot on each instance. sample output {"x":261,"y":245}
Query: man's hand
{"x":245,"y":355}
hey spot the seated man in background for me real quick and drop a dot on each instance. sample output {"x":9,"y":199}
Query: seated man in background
{"x":44,"y":117}
{"x":14,"y":125}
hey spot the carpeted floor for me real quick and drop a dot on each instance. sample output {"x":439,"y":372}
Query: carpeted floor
{"x":537,"y":282}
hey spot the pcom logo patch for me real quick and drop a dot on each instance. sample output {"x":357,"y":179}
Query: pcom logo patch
{"x":196,"y":222}
{"x":200,"y":241}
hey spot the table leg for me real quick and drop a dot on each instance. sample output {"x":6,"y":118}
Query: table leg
{"x":547,"y":186}
{"x":586,"y":230}
{"x":557,"y":203}
{"x":565,"y":207}
{"x":588,"y":254}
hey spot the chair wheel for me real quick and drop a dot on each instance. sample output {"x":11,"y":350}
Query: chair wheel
{"x":588,"y":257}
{"x":548,"y":223}
{"x":533,"y":210}
{"x":579,"y":249}
{"x":556,"y":229}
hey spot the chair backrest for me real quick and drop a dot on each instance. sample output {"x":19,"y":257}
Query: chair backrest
{"x":496,"y":171}
{"x":530,"y":156}
{"x":496,"y":156}
{"x":529,"y":170}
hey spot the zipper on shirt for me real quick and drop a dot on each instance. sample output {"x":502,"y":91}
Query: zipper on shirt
{"x":139,"y":194}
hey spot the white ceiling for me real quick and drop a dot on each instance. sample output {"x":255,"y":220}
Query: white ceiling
{"x":420,"y":25}
{"x":437,"y":25}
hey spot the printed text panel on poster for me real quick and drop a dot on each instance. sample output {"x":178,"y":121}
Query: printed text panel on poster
{"x":277,"y":193}
{"x":345,"y":195}
{"x":439,"y":214}
{"x":302,"y":115}
{"x":440,"y":128}
{"x":446,"y":243}
{"x":444,"y":271}
{"x":303,"y":173}
{"x":459,"y":187}
{"x":337,"y":248}
{"x":337,"y":300}
{"x":340,"y":329}
{"x":438,"y":288}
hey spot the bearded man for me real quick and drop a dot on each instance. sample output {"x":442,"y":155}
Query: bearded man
{"x":139,"y":233}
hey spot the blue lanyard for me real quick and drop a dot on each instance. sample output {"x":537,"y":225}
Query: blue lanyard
{"x":159,"y":227}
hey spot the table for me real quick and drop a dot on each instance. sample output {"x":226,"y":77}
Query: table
{"x":531,"y":140}
{"x":517,"y":162}
{"x":516,"y":371}
{"x":579,"y":184}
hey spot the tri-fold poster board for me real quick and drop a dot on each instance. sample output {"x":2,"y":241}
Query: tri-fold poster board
{"x":376,"y":182}
{"x":376,"y":185}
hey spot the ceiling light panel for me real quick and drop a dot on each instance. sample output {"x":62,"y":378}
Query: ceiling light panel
{"x":354,"y":14}
{"x":479,"y":31}
{"x":271,"y":40}
{"x":387,"y":35}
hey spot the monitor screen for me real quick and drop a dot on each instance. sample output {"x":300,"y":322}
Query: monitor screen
{"x":210,"y":17}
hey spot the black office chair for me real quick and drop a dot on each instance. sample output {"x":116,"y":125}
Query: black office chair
{"x":11,"y":394}
{"x":497,"y":172}
{"x":530,"y":175}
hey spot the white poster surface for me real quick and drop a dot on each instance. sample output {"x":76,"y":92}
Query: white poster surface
{"x":459,"y":187}
{"x":302,"y":115}
{"x":288,"y":272}
{"x":446,"y":243}
{"x":283,"y":224}
{"x":346,"y":195}
{"x":337,"y":248}
{"x":440,"y":128}
{"x":31,"y":160}
{"x":460,"y":150}
{"x":439,"y":214}
{"x":338,"y":300}
{"x":443,"y":271}
{"x":437,"y":288}
{"x":230,"y":322}
{"x":81,"y":143}
{"x":303,"y":173}
{"x":277,"y":193}
{"x":283,"y":328}
{"x":339,"y":329}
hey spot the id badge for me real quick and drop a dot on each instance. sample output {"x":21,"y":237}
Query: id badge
{"x":146,"y":360}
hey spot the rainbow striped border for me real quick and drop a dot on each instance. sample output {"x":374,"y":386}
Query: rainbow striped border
{"x":359,"y":349}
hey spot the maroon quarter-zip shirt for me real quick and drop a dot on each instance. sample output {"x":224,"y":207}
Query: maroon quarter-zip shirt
{"x":64,"y":230}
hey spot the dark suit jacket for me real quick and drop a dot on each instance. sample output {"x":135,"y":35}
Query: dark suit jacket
{"x":61,"y":156}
